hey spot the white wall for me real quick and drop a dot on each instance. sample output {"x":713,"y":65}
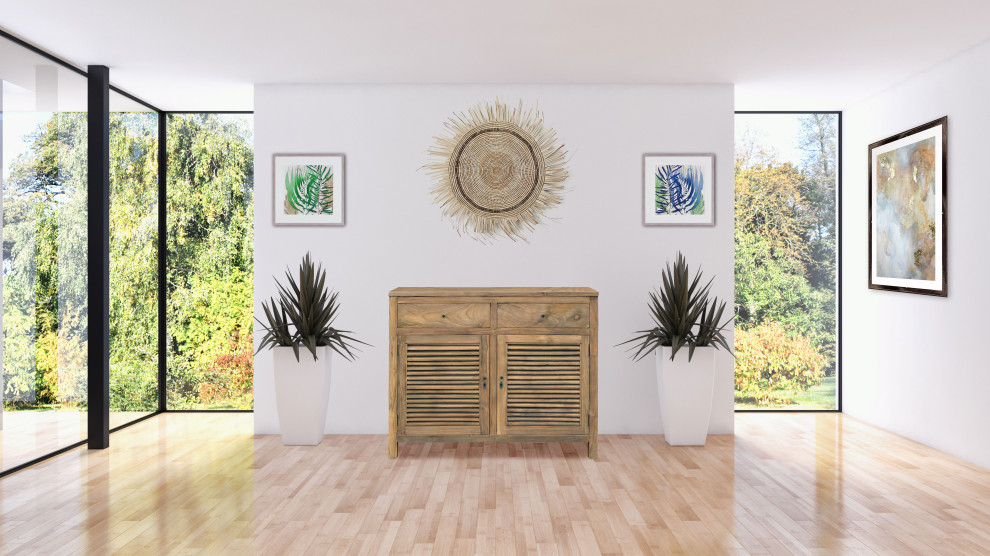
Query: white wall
{"x":395,"y":235}
{"x":914,"y":364}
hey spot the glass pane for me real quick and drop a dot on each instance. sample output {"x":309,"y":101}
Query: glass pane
{"x":210,"y":261}
{"x":785,"y":269}
{"x":43,"y":147}
{"x":133,"y":261}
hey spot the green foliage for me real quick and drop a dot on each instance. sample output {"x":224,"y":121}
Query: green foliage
{"x":219,"y":309}
{"x":210,"y":261}
{"x":683,"y":314}
{"x":19,"y":353}
{"x":785,"y":265}
{"x":769,"y":204}
{"x":818,"y":145}
{"x":772,"y":286}
{"x":133,"y":262}
{"x":44,"y":255}
{"x":310,"y":307}
{"x":210,"y":264}
{"x":771,"y":360}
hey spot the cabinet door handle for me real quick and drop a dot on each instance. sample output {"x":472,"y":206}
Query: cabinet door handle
{"x":500,"y":383}
{"x":484,"y":383}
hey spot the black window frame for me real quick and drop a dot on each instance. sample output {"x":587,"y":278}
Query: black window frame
{"x":838,"y":262}
{"x":98,"y":399}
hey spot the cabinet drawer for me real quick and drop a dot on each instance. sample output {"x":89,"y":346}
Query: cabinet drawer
{"x":444,"y":315}
{"x":543,"y":315}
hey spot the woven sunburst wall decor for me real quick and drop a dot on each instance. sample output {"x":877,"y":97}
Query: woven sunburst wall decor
{"x":498,"y":171}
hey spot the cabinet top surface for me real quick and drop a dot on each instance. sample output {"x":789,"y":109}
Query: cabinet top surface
{"x":492,"y":292}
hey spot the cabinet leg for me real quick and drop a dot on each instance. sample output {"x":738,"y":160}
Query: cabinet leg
{"x":593,"y":448}
{"x":393,"y":449}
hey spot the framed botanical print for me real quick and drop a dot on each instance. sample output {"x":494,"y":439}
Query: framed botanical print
{"x":679,"y":189}
{"x":308,"y":189}
{"x":907,"y":241}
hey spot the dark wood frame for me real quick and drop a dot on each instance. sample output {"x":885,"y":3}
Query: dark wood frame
{"x":943,"y":122}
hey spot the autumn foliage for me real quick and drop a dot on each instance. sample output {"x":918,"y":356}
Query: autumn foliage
{"x":772,"y":358}
{"x":785,"y":265}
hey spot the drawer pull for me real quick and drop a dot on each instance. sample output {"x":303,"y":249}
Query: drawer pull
{"x":542,"y":315}
{"x":444,"y":315}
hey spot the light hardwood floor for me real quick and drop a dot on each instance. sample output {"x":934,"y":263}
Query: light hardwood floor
{"x":27,"y":435}
{"x":784,"y":484}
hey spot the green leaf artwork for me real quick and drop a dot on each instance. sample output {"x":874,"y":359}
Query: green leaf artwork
{"x":309,"y":189}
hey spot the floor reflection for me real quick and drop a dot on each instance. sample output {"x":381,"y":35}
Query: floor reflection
{"x":789,"y":484}
{"x":828,"y":481}
{"x":95,"y":498}
{"x":786,"y":483}
{"x":28,"y":435}
{"x":201,"y":491}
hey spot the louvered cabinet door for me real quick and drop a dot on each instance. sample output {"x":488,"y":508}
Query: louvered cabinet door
{"x":542,"y":384}
{"x":444,"y":385}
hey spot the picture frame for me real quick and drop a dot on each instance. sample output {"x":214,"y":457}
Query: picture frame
{"x":691,"y":176}
{"x":907,"y":211}
{"x":308,"y":189}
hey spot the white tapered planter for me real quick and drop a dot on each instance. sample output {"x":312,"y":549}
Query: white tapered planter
{"x":302,"y":394}
{"x":686,"y":394}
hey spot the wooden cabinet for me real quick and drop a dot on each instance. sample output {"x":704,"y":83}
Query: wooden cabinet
{"x":444,"y":384}
{"x":493,"y":364}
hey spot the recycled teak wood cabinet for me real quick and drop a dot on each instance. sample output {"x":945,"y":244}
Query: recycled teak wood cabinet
{"x":493,"y":364}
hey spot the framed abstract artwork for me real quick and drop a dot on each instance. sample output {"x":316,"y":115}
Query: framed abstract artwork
{"x":907,"y":242}
{"x":308,"y":189}
{"x":679,"y":189}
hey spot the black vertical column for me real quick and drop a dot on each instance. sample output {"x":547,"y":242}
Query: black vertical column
{"x":838,"y":266}
{"x":162,"y":254}
{"x":98,"y":270}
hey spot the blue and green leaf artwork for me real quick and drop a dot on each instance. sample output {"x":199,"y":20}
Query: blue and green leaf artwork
{"x":679,"y":189}
{"x":309,"y":189}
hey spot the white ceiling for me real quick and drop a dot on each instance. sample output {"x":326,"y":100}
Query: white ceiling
{"x":781,"y":54}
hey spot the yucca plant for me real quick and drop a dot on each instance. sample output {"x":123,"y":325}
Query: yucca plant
{"x":683,"y":313}
{"x":310,"y":308}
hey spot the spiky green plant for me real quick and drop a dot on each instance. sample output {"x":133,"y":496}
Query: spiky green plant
{"x":310,"y":308}
{"x":683,"y":313}
{"x":277,"y":330}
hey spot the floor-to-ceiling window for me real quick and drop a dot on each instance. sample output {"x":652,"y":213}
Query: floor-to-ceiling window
{"x":210,"y":261}
{"x":43,"y":148}
{"x":786,"y":245}
{"x":181,"y":270}
{"x":133,"y":260}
